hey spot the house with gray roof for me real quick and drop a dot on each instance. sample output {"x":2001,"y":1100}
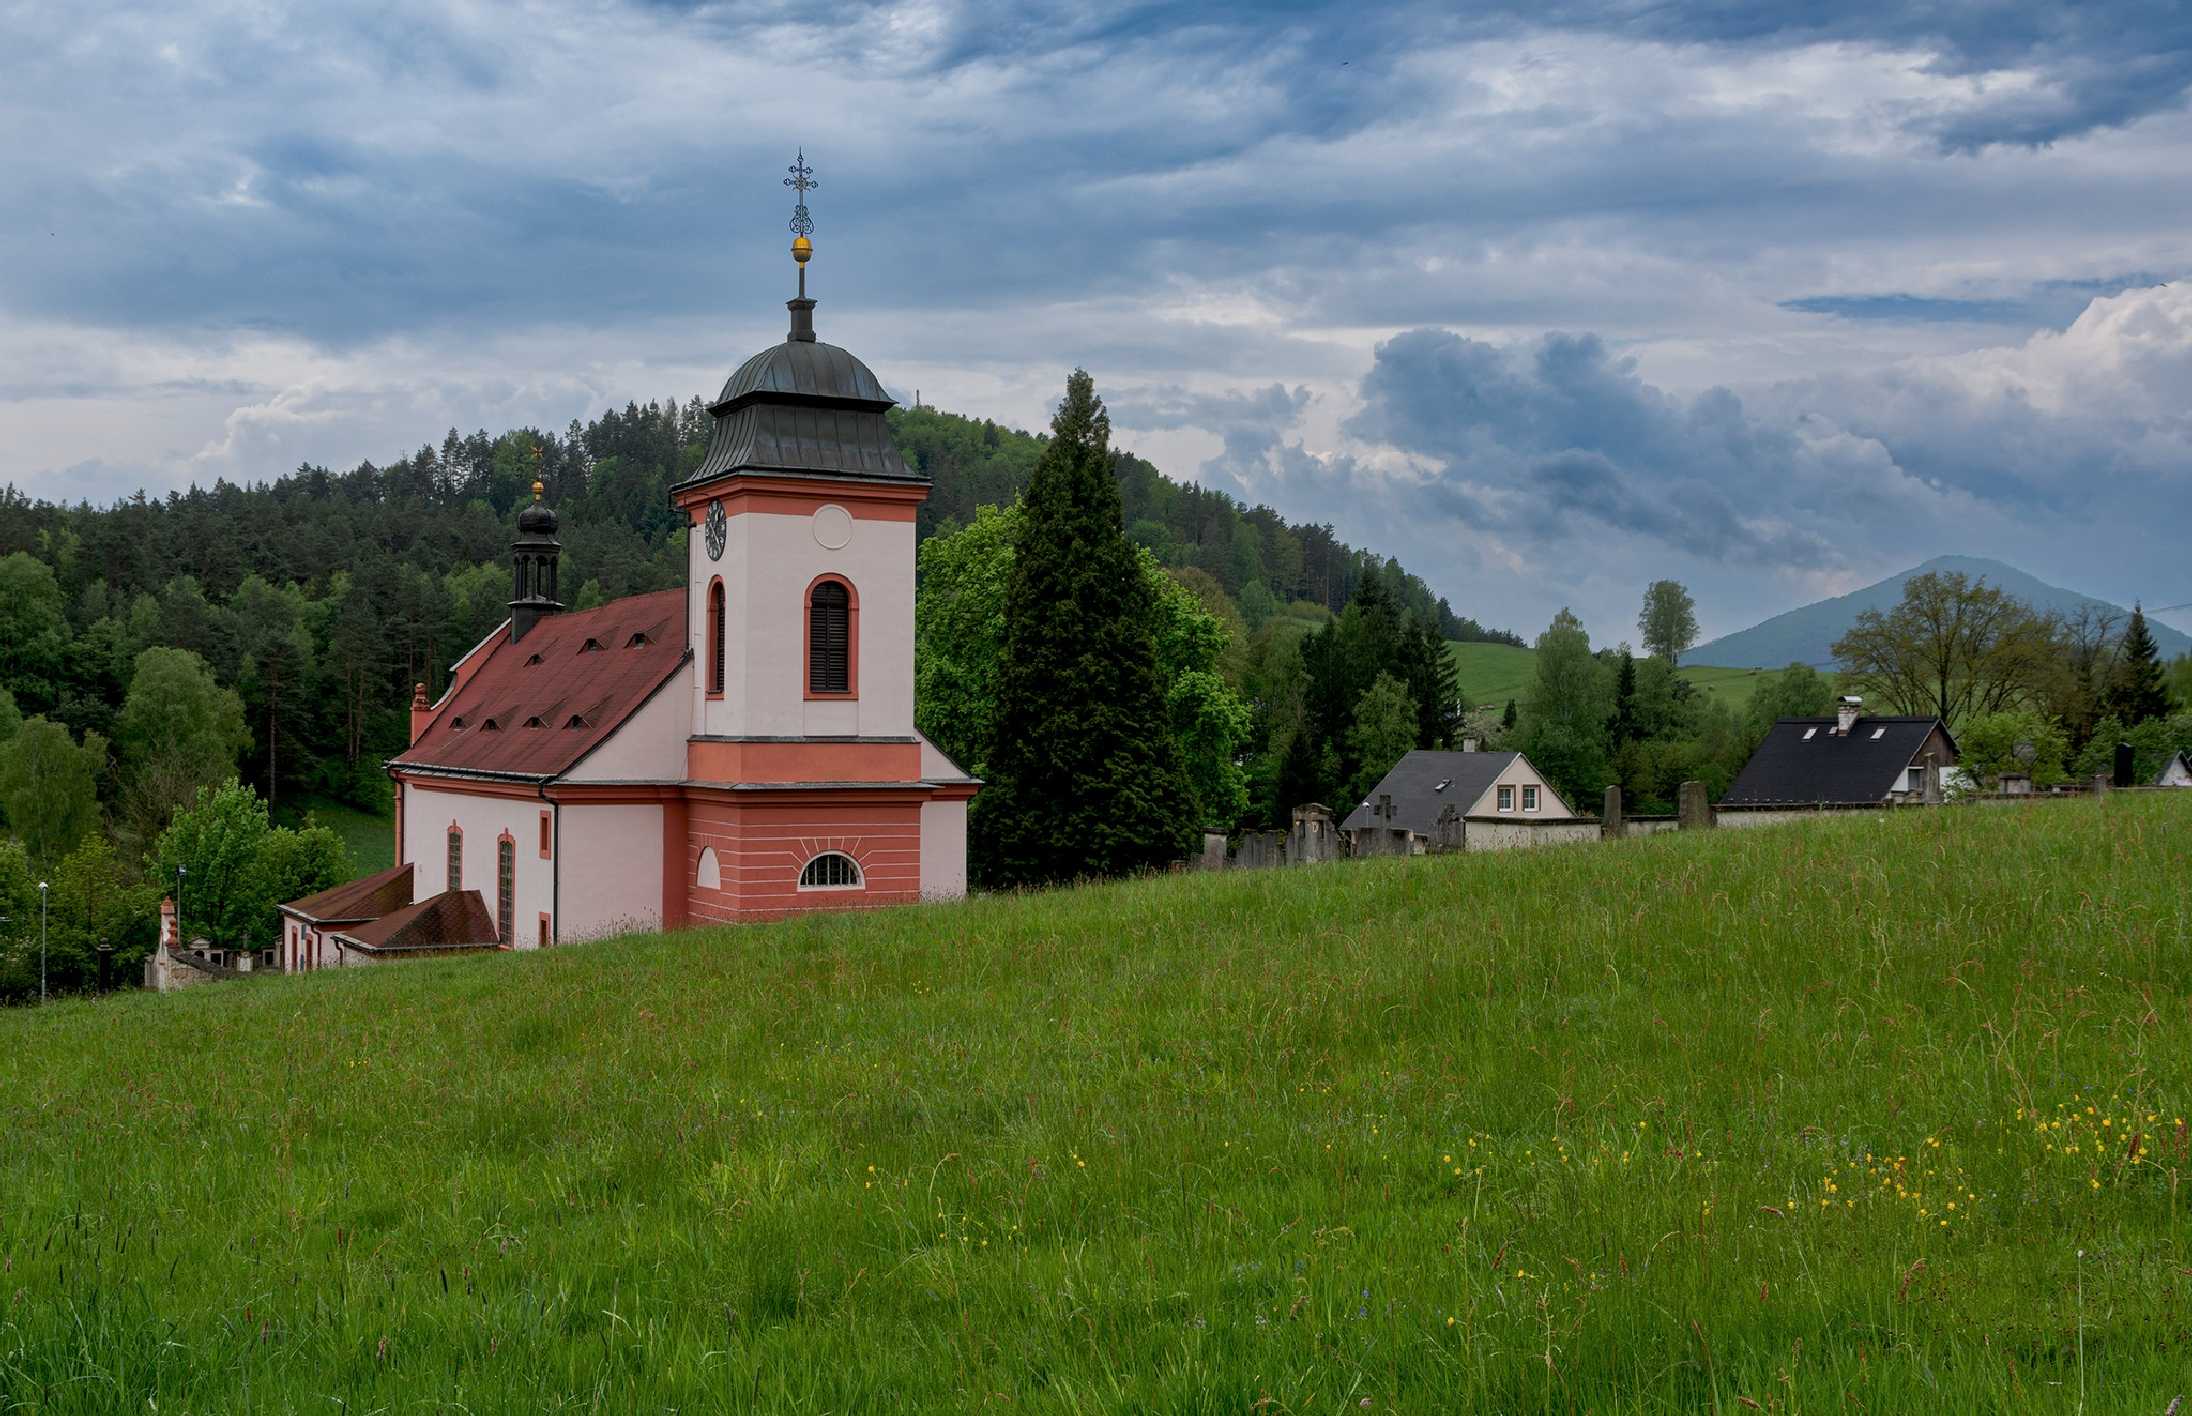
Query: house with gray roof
{"x":1852,"y":759}
{"x":1402,"y":812}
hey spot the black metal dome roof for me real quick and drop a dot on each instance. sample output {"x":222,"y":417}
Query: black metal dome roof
{"x":805,"y":409}
{"x":808,"y":368}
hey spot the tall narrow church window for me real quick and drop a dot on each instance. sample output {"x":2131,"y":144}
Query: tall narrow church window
{"x":829,"y":638}
{"x":715,"y":637}
{"x":456,"y":859}
{"x":506,"y":872}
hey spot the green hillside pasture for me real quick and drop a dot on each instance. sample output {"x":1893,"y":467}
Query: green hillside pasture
{"x":1493,"y":673}
{"x":1878,"y":1114}
{"x":369,"y":835}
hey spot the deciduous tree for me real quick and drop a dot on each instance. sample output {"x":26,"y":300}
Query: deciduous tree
{"x":1563,"y":722}
{"x":1668,"y":621}
{"x":1952,"y":648}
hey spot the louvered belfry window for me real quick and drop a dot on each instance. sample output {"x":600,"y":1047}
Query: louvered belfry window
{"x":715,"y":637}
{"x":506,"y":879}
{"x":829,"y":634}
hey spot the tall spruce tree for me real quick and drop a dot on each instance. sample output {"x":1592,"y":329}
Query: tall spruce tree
{"x":2139,"y":692}
{"x":1085,"y":777}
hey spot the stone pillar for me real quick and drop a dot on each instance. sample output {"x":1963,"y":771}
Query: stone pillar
{"x":1213,"y":856}
{"x":1696,"y":812}
{"x":106,"y":968}
{"x":1930,"y":794}
{"x":2123,"y":776}
{"x":2100,"y":785}
{"x":1609,"y":826}
{"x":1448,"y":836}
{"x":1315,"y":837}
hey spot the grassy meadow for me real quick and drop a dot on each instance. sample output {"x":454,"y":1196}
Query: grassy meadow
{"x":1493,"y":673}
{"x":1867,"y":1115}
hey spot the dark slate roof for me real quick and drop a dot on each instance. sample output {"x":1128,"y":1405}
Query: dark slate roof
{"x":1413,"y":785}
{"x":1857,"y":769}
{"x":368,"y":897}
{"x":805,"y":409}
{"x":2172,"y":760}
{"x":534,"y":708}
{"x":454,"y":919}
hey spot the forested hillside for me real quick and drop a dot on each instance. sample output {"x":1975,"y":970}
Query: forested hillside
{"x":321,"y":597}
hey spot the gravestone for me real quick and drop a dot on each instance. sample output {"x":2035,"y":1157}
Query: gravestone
{"x":1696,"y":811}
{"x":1610,"y":827}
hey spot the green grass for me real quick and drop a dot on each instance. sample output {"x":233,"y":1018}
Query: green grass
{"x":1493,"y":673}
{"x":1664,"y":1126}
{"x":369,"y":835}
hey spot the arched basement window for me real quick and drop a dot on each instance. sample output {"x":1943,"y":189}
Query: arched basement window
{"x":715,"y":637}
{"x":829,"y":638}
{"x":832,"y":870}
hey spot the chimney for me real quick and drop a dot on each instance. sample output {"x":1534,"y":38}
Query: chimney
{"x":1845,"y":714}
{"x":533,"y":566}
{"x":1468,"y":744}
{"x":422,"y":712}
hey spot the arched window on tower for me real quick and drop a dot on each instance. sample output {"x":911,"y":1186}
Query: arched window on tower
{"x":830,"y":644}
{"x":456,"y":857}
{"x":715,"y":638}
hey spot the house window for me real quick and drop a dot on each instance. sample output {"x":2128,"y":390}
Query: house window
{"x":715,"y":638}
{"x":545,"y":941}
{"x":1506,"y":798}
{"x":456,"y":857}
{"x":547,"y":836}
{"x":829,"y":638}
{"x":832,"y":870}
{"x":506,"y":873}
{"x":1529,"y":798}
{"x":1810,"y":733}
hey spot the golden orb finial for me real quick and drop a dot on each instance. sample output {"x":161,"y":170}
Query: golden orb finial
{"x":538,"y":488}
{"x":802,"y":249}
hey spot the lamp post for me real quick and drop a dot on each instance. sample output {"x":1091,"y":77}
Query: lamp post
{"x":41,"y":941}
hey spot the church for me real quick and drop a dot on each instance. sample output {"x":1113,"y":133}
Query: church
{"x":740,"y":747}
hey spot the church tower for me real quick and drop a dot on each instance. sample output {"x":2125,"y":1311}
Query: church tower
{"x":800,"y":598}
{"x":533,"y":558}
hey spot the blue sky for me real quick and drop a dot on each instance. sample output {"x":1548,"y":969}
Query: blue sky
{"x":1549,"y":300}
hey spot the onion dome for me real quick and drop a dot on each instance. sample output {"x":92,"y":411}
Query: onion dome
{"x":537,"y":519}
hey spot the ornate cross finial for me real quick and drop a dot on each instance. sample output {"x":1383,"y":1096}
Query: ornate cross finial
{"x":802,"y":182}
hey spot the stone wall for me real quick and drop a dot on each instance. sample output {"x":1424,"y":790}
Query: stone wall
{"x":1505,"y":833}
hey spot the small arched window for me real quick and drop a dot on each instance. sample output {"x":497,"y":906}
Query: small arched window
{"x":715,"y":637}
{"x":832,"y":870}
{"x":829,"y":638}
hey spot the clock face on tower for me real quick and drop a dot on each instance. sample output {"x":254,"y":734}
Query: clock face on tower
{"x":715,"y":530}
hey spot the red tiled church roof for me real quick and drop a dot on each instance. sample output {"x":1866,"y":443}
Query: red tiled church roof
{"x":453,"y":919}
{"x":368,"y":897}
{"x":534,"y":708}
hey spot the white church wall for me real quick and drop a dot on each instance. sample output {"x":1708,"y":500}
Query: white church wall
{"x":943,"y":850}
{"x":649,"y":747}
{"x":769,"y":560}
{"x":427,"y":814}
{"x":612,"y":870}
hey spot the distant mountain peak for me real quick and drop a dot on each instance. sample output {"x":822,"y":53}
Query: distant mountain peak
{"x":1806,"y":635}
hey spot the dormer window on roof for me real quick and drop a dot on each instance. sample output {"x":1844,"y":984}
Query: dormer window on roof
{"x":591,"y":646}
{"x":1879,"y":733}
{"x":535,"y":723}
{"x":489,"y":725}
{"x":638,"y":639}
{"x":1810,"y":733}
{"x":531,"y":660}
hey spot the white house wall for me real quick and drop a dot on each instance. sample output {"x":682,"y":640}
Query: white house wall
{"x":427,"y":814}
{"x":1519,"y":774}
{"x":616,"y":851}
